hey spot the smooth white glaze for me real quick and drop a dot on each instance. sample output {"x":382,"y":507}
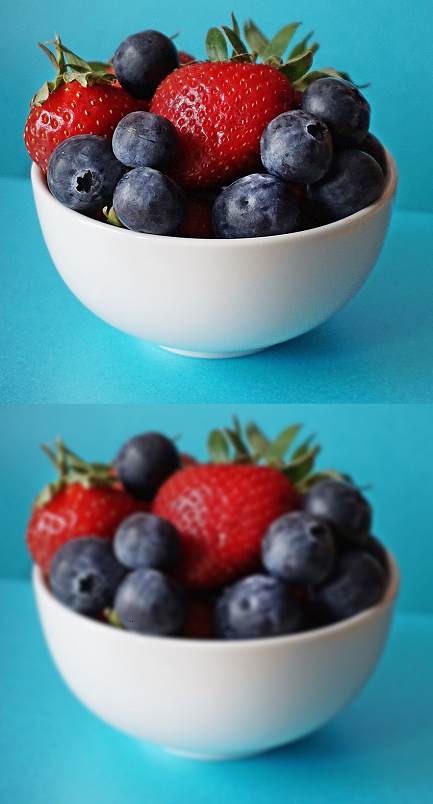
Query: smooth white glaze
{"x":213,"y":298}
{"x":215,"y":699}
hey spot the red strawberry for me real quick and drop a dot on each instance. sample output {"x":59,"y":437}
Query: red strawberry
{"x":200,"y":621}
{"x":187,"y":460}
{"x":221,"y":513}
{"x":197,"y":221}
{"x":141,"y":105}
{"x":220,"y":110}
{"x":185,"y":58}
{"x":88,"y":104}
{"x":86,"y":500}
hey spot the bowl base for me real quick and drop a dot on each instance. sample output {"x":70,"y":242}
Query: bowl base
{"x":211,"y":757}
{"x":212,"y":355}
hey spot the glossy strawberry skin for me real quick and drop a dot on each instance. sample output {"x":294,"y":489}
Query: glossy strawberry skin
{"x":220,"y":110}
{"x":221,"y":513}
{"x":72,"y":109}
{"x":77,"y":511}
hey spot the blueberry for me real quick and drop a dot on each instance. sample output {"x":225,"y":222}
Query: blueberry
{"x":143,"y":139}
{"x":374,"y":148}
{"x":147,"y":201}
{"x":341,"y":106}
{"x":149,"y":602}
{"x":144,"y":462}
{"x":354,"y":181}
{"x":257,"y":606}
{"x":342,"y":507}
{"x":299,"y":549}
{"x":296,"y":146}
{"x":375,"y":548}
{"x":83,"y":172}
{"x":146,"y":540}
{"x":358,"y":583}
{"x":84,"y":574}
{"x":255,"y":206}
{"x":143,"y":60}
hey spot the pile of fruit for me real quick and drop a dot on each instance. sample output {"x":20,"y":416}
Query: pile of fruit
{"x":249,"y":545}
{"x":230,"y":147}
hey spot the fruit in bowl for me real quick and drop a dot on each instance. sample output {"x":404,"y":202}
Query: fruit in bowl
{"x":247,"y":598}
{"x":228,"y":149}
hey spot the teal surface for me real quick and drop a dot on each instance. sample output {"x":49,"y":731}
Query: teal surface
{"x":379,"y":348}
{"x":378,"y":751}
{"x":386,"y":42}
{"x":386,"y":449}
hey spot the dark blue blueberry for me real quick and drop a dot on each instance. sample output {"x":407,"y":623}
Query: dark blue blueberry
{"x":144,"y":462}
{"x":143,"y":139}
{"x":257,"y":606}
{"x":299,"y":549}
{"x":372,"y":146}
{"x":84,"y":574}
{"x":341,"y":106}
{"x":143,"y":60}
{"x":147,"y":201}
{"x":146,"y":540}
{"x":149,"y":602}
{"x":354,"y":181}
{"x":375,"y":548}
{"x":357,"y":583}
{"x":296,"y":146}
{"x":342,"y":507}
{"x":255,"y":206}
{"x":83,"y":172}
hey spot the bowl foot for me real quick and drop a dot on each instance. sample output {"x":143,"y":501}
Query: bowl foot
{"x":212,"y":355}
{"x":211,"y":757}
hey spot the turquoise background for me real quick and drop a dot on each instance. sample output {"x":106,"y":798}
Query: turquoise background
{"x":382,"y":41}
{"x":385,"y":446}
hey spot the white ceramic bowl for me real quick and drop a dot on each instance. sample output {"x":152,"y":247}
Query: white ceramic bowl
{"x":215,"y":699}
{"x":213,"y":298}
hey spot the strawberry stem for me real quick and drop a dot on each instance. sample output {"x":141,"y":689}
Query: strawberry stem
{"x":72,"y":469}
{"x":70,"y":67}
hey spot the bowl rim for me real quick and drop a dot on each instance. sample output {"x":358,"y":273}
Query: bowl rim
{"x":339,"y":630}
{"x":39,"y":183}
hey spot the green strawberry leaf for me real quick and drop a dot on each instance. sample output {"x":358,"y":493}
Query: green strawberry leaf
{"x":218,"y":448}
{"x":295,"y":69}
{"x":113,"y":618}
{"x":238,"y":46}
{"x":112,"y":217}
{"x":51,"y":57}
{"x":274,"y":61}
{"x":301,"y":47}
{"x":302,"y":449}
{"x":255,"y":38}
{"x":299,"y":469}
{"x":278,"y":448}
{"x":45,"y":90}
{"x":235,"y":25}
{"x":73,"y":60}
{"x":280,"y":41}
{"x":326,"y":474}
{"x":256,"y":439}
{"x":99,"y":66}
{"x":236,"y":440}
{"x":216,"y":46}
{"x":347,"y":77}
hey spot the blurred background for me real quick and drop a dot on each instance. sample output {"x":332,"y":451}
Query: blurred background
{"x":385,"y":448}
{"x":384,"y":42}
